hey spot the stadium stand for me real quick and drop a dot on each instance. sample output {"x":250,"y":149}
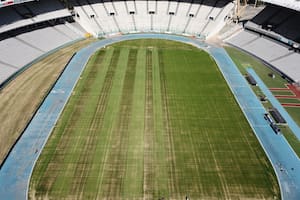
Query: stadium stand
{"x":200,"y":18}
{"x":279,"y":21}
{"x":160,"y":21}
{"x":40,"y":38}
{"x":6,"y":71}
{"x":28,"y":27}
{"x":123,"y":17}
{"x":179,"y":18}
{"x":76,"y":28}
{"x":273,"y":35}
{"x":21,"y":15}
{"x":67,"y":31}
{"x":274,"y":53}
{"x":290,"y":65}
{"x":35,"y":42}
{"x":15,"y":49}
{"x":262,"y":46}
{"x":143,"y":16}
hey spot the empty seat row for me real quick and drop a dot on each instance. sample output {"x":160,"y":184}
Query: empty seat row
{"x":24,"y":47}
{"x":21,"y":15}
{"x":271,"y":51}
{"x":158,"y":16}
{"x":279,"y":20}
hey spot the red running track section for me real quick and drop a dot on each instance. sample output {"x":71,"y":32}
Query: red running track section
{"x":291,"y":105}
{"x":293,"y":89}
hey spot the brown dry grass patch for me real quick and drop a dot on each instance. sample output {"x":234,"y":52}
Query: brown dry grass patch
{"x":20,"y":98}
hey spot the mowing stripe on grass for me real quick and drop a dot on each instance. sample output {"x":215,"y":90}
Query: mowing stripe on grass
{"x":161,"y":160}
{"x":112,"y":112}
{"x":118,"y":156}
{"x":91,"y":136}
{"x":100,"y":107}
{"x":66,"y":180}
{"x":109,"y":109}
{"x":90,"y":127}
{"x":81,"y":130}
{"x":195,"y":147}
{"x":173,"y":181}
{"x":133,"y":180}
{"x":69,"y":119}
{"x":148,"y":131}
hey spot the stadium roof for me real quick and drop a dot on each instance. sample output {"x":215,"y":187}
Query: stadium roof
{"x":292,"y":4}
{"x":4,"y":3}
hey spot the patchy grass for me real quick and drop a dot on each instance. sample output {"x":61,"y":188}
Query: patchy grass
{"x":151,"y":119}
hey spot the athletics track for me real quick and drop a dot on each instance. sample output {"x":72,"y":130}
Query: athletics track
{"x":293,"y":126}
{"x":16,"y":172}
{"x":292,"y":89}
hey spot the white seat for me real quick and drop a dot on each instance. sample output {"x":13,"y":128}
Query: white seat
{"x":5,"y":72}
{"x":14,"y":52}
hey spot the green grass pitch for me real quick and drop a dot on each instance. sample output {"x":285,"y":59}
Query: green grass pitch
{"x":151,"y":119}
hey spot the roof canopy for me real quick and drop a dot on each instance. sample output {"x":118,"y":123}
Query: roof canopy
{"x":4,"y":3}
{"x":292,"y":4}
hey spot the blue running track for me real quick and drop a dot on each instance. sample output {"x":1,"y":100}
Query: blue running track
{"x":16,"y":171}
{"x":283,"y":158}
{"x":292,"y":124}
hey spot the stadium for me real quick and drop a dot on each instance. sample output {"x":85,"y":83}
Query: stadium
{"x":150,"y":99}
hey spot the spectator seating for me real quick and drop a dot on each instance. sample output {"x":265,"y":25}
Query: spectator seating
{"x":278,"y":21}
{"x":161,"y":19}
{"x":273,"y":52}
{"x":29,"y":27}
{"x":14,"y":53}
{"x":123,"y":17}
{"x":21,"y":15}
{"x":188,"y":17}
{"x":6,"y":71}
{"x":273,"y":35}
{"x":143,"y":17}
{"x":26,"y":44}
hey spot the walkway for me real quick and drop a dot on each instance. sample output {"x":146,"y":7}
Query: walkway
{"x":16,"y":171}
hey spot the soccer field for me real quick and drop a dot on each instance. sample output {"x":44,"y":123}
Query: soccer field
{"x":151,"y":119}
